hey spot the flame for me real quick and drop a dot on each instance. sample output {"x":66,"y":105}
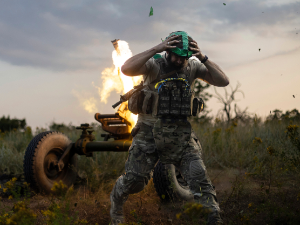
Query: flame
{"x":115,"y":80}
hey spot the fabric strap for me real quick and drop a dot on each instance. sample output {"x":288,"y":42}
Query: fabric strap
{"x":185,"y":42}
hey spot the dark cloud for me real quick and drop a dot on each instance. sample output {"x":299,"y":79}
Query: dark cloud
{"x":247,"y":15}
{"x":76,"y":34}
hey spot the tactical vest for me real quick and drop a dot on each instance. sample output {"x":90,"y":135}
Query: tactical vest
{"x":169,"y":95}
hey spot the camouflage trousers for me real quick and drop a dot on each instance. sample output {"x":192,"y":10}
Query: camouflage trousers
{"x":171,"y":143}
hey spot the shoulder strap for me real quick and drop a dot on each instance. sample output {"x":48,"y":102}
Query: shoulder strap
{"x":163,"y":72}
{"x":187,"y":70}
{"x":160,"y":60}
{"x":162,"y":75}
{"x":165,"y":76}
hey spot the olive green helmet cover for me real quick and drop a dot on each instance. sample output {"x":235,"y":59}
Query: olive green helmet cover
{"x":182,"y":48}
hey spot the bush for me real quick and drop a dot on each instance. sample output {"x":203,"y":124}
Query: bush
{"x":7,"y":124}
{"x":241,"y":146}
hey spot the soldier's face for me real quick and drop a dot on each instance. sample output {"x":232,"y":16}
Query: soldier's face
{"x":178,"y":62}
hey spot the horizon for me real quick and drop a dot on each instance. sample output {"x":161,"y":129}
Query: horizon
{"x":52,"y":55}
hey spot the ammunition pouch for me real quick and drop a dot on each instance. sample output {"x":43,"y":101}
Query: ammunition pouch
{"x":133,"y":102}
{"x":141,"y":101}
{"x":168,"y":95}
{"x":198,"y":105}
{"x":171,"y":99}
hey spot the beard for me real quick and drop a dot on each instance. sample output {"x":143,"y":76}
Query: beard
{"x":174,"y":65}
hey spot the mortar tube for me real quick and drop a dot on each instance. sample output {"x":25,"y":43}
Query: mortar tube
{"x":116,"y":46}
{"x":108,"y":146}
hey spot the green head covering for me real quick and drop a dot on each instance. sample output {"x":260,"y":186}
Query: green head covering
{"x":182,"y":48}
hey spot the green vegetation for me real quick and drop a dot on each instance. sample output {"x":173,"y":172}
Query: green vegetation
{"x":7,"y":124}
{"x":247,"y":146}
{"x":265,"y":156}
{"x":13,"y":146}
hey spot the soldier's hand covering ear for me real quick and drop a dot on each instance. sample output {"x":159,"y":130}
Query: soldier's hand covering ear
{"x":167,"y":44}
{"x":197,"y":52}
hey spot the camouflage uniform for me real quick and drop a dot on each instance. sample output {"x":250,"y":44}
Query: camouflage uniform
{"x":171,"y":142}
{"x":143,"y":155}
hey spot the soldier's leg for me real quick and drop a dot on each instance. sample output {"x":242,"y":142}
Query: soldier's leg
{"x":194,"y":172}
{"x":141,"y":161}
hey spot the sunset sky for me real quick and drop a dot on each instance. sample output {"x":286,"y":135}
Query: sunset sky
{"x":53,"y":53}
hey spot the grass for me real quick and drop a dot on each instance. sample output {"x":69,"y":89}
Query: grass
{"x":244,"y":146}
{"x":13,"y":146}
{"x":255,"y":168}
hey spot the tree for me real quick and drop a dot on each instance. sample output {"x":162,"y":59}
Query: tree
{"x":61,"y":127}
{"x":241,"y":115}
{"x":277,"y":114}
{"x":227,"y":102}
{"x":7,"y":124}
{"x":294,"y":114}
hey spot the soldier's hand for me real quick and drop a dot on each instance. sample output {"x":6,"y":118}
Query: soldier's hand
{"x":167,"y":44}
{"x":197,"y":52}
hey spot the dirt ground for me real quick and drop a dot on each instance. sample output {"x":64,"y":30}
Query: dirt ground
{"x":243,"y":200}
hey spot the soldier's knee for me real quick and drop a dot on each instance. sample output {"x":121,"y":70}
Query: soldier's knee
{"x":197,"y":169}
{"x":134,"y":183}
{"x":199,"y":179}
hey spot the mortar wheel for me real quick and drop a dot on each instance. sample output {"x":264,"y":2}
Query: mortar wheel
{"x":169,"y":184}
{"x":41,"y":153}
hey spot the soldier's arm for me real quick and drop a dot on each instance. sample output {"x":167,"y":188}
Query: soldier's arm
{"x":214,"y":75}
{"x":136,"y":64}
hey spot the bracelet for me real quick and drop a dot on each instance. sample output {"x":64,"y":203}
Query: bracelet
{"x":205,"y":59}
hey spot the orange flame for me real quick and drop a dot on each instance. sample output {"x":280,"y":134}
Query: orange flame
{"x":115,"y":80}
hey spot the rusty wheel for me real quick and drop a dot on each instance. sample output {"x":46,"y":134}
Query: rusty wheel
{"x":40,"y":162}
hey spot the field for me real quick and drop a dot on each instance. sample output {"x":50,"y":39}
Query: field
{"x":254,"y":167}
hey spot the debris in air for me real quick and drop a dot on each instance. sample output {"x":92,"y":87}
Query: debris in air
{"x":151,"y":11}
{"x":224,"y":4}
{"x":259,"y":49}
{"x":294,"y":96}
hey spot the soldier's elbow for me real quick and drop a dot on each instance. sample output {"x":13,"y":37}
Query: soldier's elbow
{"x":125,"y":70}
{"x":225,"y":82}
{"x":222,"y":84}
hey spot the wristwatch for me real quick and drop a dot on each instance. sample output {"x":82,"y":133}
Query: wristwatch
{"x":204,"y":60}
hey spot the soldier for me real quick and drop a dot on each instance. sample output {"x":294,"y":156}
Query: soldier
{"x":166,"y":135}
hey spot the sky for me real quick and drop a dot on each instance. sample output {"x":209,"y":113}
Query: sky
{"x":53,"y":53}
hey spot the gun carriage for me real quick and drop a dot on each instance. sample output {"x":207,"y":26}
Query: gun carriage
{"x":52,"y":157}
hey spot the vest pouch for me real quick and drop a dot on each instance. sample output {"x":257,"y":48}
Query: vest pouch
{"x":143,"y":101}
{"x":135,"y":102}
{"x":155,"y":100}
{"x":197,"y":106}
{"x":175,"y":100}
{"x":163,"y":106}
{"x":148,"y":98}
{"x":186,"y":102}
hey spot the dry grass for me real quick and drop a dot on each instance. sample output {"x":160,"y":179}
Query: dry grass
{"x":255,"y":168}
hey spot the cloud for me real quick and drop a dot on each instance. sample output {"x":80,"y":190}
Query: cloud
{"x":76,"y":34}
{"x":253,"y":15}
